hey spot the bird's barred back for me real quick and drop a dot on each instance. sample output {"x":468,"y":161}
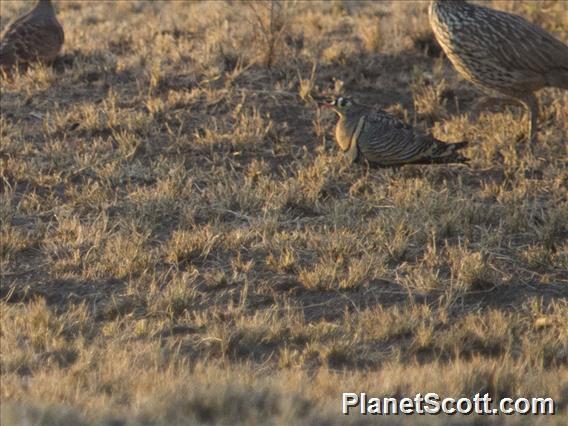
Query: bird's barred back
{"x":496,"y":50}
{"x":386,"y":140}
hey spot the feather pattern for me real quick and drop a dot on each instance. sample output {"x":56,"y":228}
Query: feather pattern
{"x":35,"y":36}
{"x":497,"y":50}
{"x":383,"y":140}
{"x":500,"y":52}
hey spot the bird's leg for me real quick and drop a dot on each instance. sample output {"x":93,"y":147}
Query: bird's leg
{"x":530,"y":101}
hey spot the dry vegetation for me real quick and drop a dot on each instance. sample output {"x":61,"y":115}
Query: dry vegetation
{"x":182,"y":241}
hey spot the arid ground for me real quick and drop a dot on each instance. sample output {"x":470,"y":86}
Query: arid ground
{"x":182,"y":241}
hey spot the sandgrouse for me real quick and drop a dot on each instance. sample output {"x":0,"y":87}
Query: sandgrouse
{"x":383,"y":140}
{"x":500,"y":52}
{"x":36,"y":36}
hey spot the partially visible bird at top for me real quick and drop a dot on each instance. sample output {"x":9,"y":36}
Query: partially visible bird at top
{"x":500,"y":52}
{"x":383,"y":140}
{"x":36,"y":36}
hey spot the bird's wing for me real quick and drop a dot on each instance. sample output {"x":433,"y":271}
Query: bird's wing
{"x":385,"y":139}
{"x":384,"y":118}
{"x":15,"y":23}
{"x":520,"y":44}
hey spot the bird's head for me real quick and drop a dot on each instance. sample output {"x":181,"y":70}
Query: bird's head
{"x":44,"y":5}
{"x":341,"y":105}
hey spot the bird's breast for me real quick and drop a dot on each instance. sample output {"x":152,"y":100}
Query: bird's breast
{"x":342,"y":135}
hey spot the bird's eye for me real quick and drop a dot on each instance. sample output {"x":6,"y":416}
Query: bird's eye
{"x":341,"y":102}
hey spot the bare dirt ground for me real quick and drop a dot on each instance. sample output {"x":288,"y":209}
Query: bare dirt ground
{"x":182,"y":241}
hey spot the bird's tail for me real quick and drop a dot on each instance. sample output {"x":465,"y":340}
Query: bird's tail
{"x":446,"y":153}
{"x":558,"y":78}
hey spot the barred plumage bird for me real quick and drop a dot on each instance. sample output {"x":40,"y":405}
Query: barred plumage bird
{"x":383,"y":140}
{"x":36,"y":36}
{"x":500,"y":52}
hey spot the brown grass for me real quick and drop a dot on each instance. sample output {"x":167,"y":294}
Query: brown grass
{"x":183,"y":243}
